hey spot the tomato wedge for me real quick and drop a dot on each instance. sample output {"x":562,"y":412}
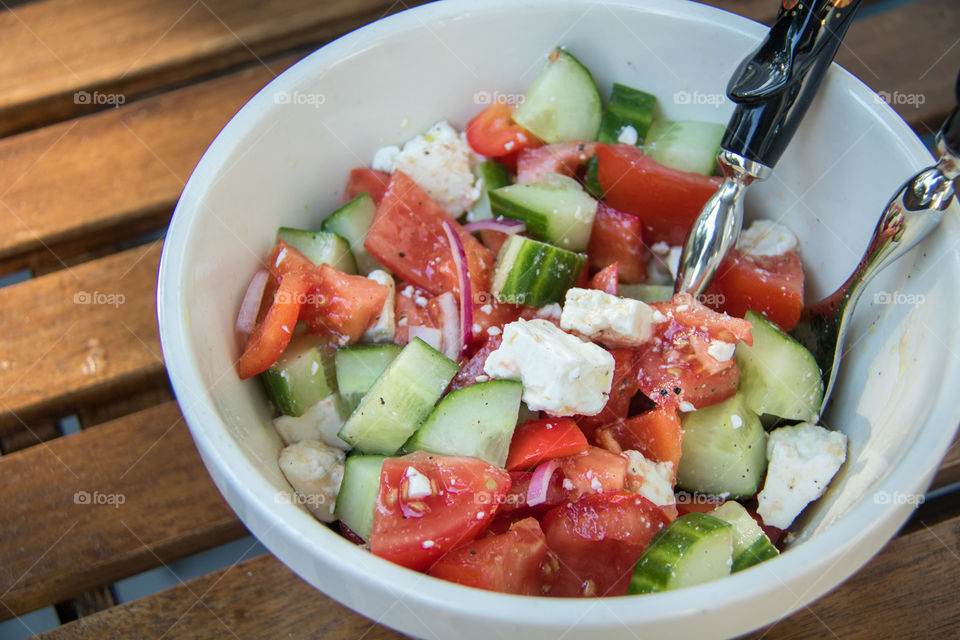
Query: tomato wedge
{"x":667,"y":201}
{"x":493,"y":133}
{"x":624,"y":386}
{"x":563,"y":158}
{"x":618,"y":237}
{"x":407,"y":236}
{"x":272,"y":335}
{"x":656,"y":434}
{"x":515,"y":504}
{"x":595,"y":471}
{"x":511,"y":562}
{"x":342,"y":304}
{"x":413,"y":528}
{"x":537,"y":440}
{"x":771,"y":285}
{"x":606,"y":279}
{"x":412,"y":309}
{"x":363,"y":180}
{"x":598,"y":539}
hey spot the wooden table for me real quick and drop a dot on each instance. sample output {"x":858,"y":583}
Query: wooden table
{"x":105,"y":107}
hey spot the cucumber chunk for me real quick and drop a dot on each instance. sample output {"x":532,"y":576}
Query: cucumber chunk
{"x":750,"y":544}
{"x":359,"y":367}
{"x":320,"y":247}
{"x":646,"y":292}
{"x":534,"y":273}
{"x":399,"y":400}
{"x":693,"y":549}
{"x":724,"y":450}
{"x":777,"y":374}
{"x":556,"y":210}
{"x":685,"y":145}
{"x":303,"y":376}
{"x":492,"y":175}
{"x":357,"y":498}
{"x":628,"y":107}
{"x":351,"y":222}
{"x":476,"y":421}
{"x":562,"y":103}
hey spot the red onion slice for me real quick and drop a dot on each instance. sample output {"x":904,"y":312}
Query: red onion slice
{"x":433,"y":337}
{"x":503,"y":225}
{"x":540,"y":482}
{"x":466,"y":292}
{"x":250,"y":306}
{"x":450,"y":325}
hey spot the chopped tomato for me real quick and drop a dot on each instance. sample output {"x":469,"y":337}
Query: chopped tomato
{"x":606,"y":279}
{"x":515,"y":504}
{"x":511,"y":562}
{"x":493,"y":133}
{"x":342,"y":304}
{"x":365,"y":180}
{"x":622,"y":390}
{"x":771,"y":285}
{"x":493,"y":240}
{"x":596,"y":471}
{"x":272,"y":336}
{"x":667,"y":201}
{"x":408,"y":237}
{"x":537,"y":440}
{"x":285,"y":259}
{"x":618,"y":237}
{"x":473,"y":368}
{"x":415,"y":530}
{"x":689,"y":312}
{"x":656,"y":434}
{"x":687,"y":503}
{"x":598,"y":539}
{"x":562,"y":158}
{"x":489,"y":312}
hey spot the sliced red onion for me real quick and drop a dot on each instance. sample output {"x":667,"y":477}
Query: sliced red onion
{"x":540,"y":482}
{"x":503,"y":225}
{"x":466,"y":292}
{"x":451,"y":325}
{"x":431,"y":336}
{"x":250,"y":306}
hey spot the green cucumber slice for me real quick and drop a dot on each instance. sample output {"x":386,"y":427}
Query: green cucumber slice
{"x":399,"y":400}
{"x":724,"y":450}
{"x":320,"y":247}
{"x":357,"y":498}
{"x":562,"y":102}
{"x":556,"y":210}
{"x":303,"y":376}
{"x":493,"y":175}
{"x":685,"y":145}
{"x":534,"y":273}
{"x":476,"y":421}
{"x":351,"y":222}
{"x":693,"y":549}
{"x":750,"y":544}
{"x":628,"y":107}
{"x":646,"y":292}
{"x":359,"y":367}
{"x":777,"y":374}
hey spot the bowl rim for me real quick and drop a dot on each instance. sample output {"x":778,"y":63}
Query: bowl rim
{"x":252,"y":496}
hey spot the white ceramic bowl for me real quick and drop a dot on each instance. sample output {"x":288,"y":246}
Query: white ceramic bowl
{"x":284,"y":158}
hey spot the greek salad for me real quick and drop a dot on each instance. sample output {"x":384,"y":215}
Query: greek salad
{"x":482,"y":372}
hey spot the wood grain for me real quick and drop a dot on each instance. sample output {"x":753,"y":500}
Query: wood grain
{"x":51,"y":50}
{"x":54,"y":548}
{"x":949,"y":471}
{"x":258,"y":598}
{"x":79,"y":336}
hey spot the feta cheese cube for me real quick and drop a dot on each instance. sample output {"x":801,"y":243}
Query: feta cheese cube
{"x":720,"y":350}
{"x":320,"y":422}
{"x":652,"y":480}
{"x":560,"y":373}
{"x":385,"y":326}
{"x":766,"y":238}
{"x":384,"y":158}
{"x":607,"y":319}
{"x":315,"y":471}
{"x":802,"y":461}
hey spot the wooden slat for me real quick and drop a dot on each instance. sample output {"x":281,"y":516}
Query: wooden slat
{"x":258,"y":598}
{"x":79,"y":336}
{"x":29,"y":434}
{"x":54,"y":548}
{"x":50,"y":50}
{"x":86,"y":181}
{"x":105,"y":411}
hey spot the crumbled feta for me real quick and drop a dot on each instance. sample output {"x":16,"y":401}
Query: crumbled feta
{"x":552,"y":310}
{"x":607,"y":319}
{"x":652,"y":480}
{"x":441,"y":162}
{"x":664,"y":263}
{"x":766,"y":238}
{"x":686,"y":407}
{"x":720,"y":350}
{"x":560,"y":373}
{"x":736,"y":421}
{"x":427,"y":544}
{"x":385,"y":326}
{"x":418,"y":485}
{"x":315,"y":471}
{"x":802,"y":461}
{"x":320,"y":422}
{"x":628,"y":135}
{"x":493,"y":331}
